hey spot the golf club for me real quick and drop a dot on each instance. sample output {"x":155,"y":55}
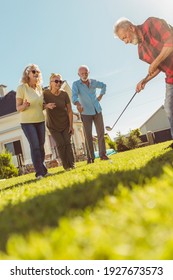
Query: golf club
{"x":108,"y":128}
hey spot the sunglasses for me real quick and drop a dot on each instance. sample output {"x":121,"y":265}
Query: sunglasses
{"x":35,"y":71}
{"x":58,"y":81}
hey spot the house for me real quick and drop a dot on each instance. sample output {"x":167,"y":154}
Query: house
{"x":13,"y":139}
{"x":158,"y":121}
{"x":159,"y":125}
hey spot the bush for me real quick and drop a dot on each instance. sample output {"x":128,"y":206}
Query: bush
{"x":128,"y":143}
{"x":109,"y":143}
{"x":135,"y":132}
{"x":133,"y":141}
{"x":7,"y":168}
{"x":121,"y":143}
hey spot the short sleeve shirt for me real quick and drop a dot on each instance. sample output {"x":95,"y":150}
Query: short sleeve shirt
{"x":57,"y":119}
{"x":34,"y":113}
{"x":157,"y":33}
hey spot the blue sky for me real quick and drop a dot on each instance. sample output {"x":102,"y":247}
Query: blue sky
{"x":59,"y":36}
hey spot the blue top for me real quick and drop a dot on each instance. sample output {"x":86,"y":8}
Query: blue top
{"x":87,"y":96}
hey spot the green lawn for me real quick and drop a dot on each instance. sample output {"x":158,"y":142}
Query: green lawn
{"x":118,"y":209}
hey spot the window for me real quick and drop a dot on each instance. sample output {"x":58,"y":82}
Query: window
{"x":16,"y":150}
{"x":14,"y":147}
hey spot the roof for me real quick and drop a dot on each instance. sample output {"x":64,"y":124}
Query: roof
{"x":8,"y":103}
{"x":3,"y":86}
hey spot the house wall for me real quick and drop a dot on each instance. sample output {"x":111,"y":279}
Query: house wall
{"x":3,"y":90}
{"x":11,"y":131}
{"x":157,"y":122}
{"x":67,"y":88}
{"x":78,"y":138}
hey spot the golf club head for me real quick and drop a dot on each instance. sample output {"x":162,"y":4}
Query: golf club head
{"x":108,"y":128}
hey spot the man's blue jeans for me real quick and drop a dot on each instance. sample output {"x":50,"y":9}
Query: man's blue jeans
{"x":35,"y":133}
{"x":169,"y":105}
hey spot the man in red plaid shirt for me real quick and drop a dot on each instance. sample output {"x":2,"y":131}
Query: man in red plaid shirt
{"x":155,"y":46}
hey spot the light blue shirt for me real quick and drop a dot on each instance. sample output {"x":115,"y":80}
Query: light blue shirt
{"x":87,"y":96}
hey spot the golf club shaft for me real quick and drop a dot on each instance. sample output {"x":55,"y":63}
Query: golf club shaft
{"x":124,"y":109}
{"x":128,"y":104}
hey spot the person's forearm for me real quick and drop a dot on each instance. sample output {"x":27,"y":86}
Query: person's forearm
{"x":21,"y":107}
{"x":70,"y":115}
{"x":166,"y":51}
{"x":150,"y":77}
{"x":77,"y":103}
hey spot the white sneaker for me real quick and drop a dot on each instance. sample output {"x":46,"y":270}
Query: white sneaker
{"x":47,"y":174}
{"x":67,"y":169}
{"x":39,"y":177}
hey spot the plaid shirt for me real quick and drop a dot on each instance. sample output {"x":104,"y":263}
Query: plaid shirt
{"x":157,"y":34}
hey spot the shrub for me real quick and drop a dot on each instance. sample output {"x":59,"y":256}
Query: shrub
{"x":111,"y":144}
{"x":135,"y":132}
{"x":121,"y":143}
{"x":128,"y":143}
{"x":133,"y":141}
{"x":7,"y":168}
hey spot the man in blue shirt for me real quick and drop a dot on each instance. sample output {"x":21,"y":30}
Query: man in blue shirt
{"x":87,"y":103}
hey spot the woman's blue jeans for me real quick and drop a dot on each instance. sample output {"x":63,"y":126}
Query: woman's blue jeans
{"x":35,"y":133}
{"x":169,"y":105}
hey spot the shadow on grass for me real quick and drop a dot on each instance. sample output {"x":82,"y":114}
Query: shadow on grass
{"x":26,"y":182}
{"x":46,"y":210}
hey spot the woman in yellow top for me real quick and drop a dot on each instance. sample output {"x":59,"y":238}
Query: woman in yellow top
{"x":29,"y":102}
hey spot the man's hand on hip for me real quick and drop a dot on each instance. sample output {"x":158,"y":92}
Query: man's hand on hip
{"x":99,"y":97}
{"x":79,"y":108}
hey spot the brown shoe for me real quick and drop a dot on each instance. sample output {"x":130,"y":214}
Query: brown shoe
{"x":104,"y":157}
{"x":90,"y":160}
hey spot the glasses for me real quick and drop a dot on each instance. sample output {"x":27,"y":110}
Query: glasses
{"x":58,"y":81}
{"x":35,"y":71}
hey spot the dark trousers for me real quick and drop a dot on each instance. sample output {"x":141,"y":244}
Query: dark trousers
{"x":35,"y":133}
{"x":63,"y":143}
{"x":99,"y":125}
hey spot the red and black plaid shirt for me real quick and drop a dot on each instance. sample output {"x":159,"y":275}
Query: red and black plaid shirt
{"x":157,"y":34}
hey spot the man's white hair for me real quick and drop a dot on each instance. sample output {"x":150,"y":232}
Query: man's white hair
{"x":84,"y":66}
{"x":123,"y":23}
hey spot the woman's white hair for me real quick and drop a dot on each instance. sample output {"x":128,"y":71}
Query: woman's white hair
{"x":25,"y":76}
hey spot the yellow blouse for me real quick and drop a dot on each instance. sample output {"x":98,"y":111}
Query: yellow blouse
{"x":34,"y":113}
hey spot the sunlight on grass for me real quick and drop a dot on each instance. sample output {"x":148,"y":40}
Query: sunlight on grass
{"x":118,"y":209}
